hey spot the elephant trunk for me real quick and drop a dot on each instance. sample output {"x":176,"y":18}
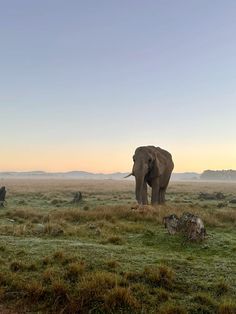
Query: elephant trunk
{"x":139,"y":171}
{"x":139,"y":188}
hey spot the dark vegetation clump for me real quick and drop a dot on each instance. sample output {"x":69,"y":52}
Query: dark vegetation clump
{"x":17,"y":266}
{"x":77,"y":198}
{"x":211,"y":196}
{"x":2,"y":196}
{"x":117,"y":240}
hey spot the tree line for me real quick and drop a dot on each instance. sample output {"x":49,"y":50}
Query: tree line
{"x":226,"y":175}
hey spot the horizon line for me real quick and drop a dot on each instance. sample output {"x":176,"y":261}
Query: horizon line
{"x":100,"y":172}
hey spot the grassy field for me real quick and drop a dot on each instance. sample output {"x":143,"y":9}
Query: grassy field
{"x":102,"y":256}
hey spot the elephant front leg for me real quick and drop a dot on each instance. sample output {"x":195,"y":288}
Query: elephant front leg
{"x":155,"y":193}
{"x":162,"y":195}
{"x":144,"y":194}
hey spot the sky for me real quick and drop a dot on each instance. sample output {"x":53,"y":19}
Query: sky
{"x":83,"y":83}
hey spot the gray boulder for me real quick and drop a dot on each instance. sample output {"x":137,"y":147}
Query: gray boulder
{"x":190,"y":225}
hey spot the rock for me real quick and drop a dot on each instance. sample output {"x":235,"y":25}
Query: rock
{"x":191,"y":226}
{"x":171,"y":223}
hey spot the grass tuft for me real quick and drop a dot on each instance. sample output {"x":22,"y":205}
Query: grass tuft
{"x":227,"y":307}
{"x":74,"y":271}
{"x":120,"y":299}
{"x":172,"y":309}
{"x":222,"y":288}
{"x":163,"y":276}
{"x":34,"y":291}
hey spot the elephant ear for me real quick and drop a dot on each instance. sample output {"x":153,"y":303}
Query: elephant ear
{"x":158,"y":167}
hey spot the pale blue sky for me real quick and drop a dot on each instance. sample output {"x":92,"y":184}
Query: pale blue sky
{"x":84,"y":82}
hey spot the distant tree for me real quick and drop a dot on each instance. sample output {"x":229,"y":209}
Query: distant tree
{"x":224,"y":175}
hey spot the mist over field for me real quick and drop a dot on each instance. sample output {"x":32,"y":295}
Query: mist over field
{"x":207,"y":175}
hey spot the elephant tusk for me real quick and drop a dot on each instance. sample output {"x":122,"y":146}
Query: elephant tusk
{"x":131,"y":174}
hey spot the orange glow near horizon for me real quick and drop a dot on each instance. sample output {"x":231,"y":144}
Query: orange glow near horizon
{"x":107,"y":161}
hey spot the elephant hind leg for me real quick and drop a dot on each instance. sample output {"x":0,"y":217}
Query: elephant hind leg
{"x":163,"y":191}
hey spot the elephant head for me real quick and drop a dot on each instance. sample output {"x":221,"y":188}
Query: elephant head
{"x":152,"y":166}
{"x":146,"y":167}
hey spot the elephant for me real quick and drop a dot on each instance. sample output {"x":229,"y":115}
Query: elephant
{"x":152,"y":166}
